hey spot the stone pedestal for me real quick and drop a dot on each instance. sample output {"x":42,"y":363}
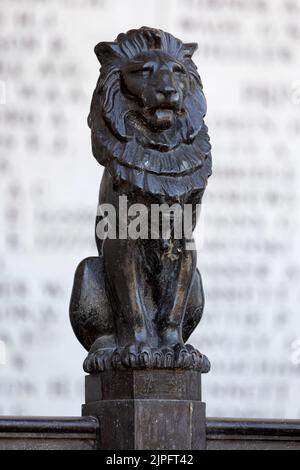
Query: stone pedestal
{"x":147,"y":409}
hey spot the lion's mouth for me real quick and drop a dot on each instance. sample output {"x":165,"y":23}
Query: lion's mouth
{"x":162,"y":118}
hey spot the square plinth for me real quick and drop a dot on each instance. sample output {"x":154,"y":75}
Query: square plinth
{"x":147,"y":409}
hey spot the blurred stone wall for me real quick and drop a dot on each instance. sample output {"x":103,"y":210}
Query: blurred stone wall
{"x":248,"y":241}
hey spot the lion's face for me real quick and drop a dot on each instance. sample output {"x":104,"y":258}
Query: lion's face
{"x":147,"y":113}
{"x":149,"y":90}
{"x":159,"y":84}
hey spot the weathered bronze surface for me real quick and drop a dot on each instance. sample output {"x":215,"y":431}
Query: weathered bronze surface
{"x":136,"y":304}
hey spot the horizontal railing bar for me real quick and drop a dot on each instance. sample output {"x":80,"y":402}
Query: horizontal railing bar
{"x":253,"y":427}
{"x":87,"y":425}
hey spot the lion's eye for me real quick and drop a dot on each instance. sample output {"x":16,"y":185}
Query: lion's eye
{"x":178,"y":69}
{"x":144,"y":72}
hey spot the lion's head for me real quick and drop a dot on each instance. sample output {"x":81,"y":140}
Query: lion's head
{"x":147,"y":113}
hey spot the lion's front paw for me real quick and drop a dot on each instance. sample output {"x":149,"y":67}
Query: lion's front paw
{"x":98,"y":361}
{"x":187,"y":357}
{"x":136,"y":355}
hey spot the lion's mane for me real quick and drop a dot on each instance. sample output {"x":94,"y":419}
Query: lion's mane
{"x":170,"y":163}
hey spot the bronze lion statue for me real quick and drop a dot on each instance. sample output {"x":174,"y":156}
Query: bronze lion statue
{"x":137,"y":303}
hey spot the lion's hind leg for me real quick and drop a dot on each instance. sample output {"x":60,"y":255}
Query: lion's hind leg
{"x":194,"y":308}
{"x":193,"y":315}
{"x":91,"y":315}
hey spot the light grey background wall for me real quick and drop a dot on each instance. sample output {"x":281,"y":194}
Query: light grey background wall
{"x":249,"y":239}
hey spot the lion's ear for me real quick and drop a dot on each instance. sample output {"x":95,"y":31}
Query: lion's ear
{"x":107,"y":51}
{"x":190,"y":49}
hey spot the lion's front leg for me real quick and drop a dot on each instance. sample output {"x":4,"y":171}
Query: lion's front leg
{"x":178,"y":267}
{"x":126,"y":289}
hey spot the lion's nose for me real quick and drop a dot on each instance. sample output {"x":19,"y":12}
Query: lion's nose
{"x":169,"y":93}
